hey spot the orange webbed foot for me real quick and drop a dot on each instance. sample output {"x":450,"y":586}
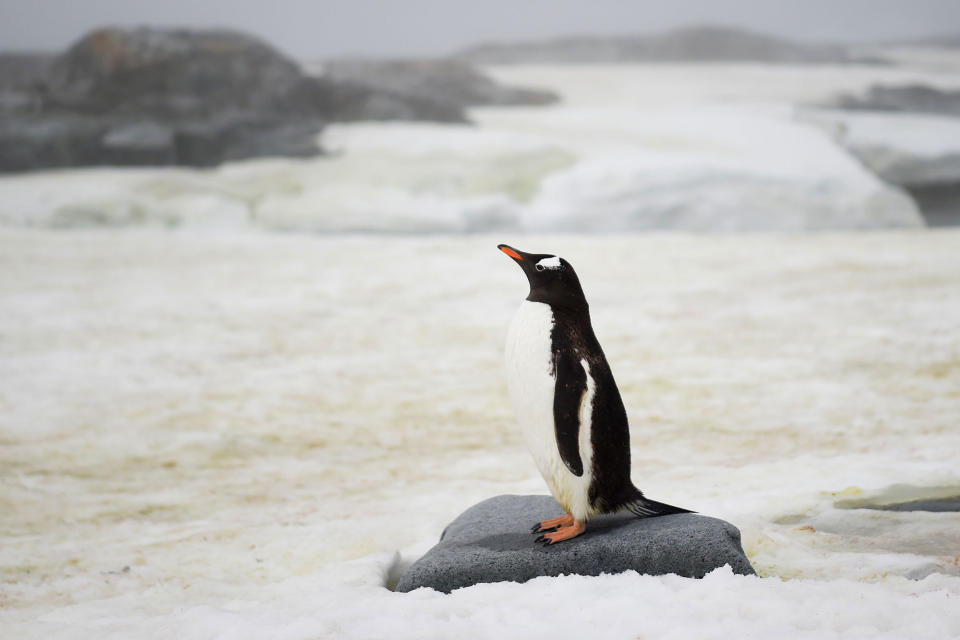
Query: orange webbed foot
{"x":563,"y":533}
{"x":547,"y":525}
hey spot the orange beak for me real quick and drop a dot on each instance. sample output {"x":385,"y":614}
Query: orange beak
{"x":510,"y":252}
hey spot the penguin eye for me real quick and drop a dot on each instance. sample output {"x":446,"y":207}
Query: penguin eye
{"x":539,"y":267}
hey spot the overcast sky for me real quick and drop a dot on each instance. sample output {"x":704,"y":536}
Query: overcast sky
{"x":320,"y":28}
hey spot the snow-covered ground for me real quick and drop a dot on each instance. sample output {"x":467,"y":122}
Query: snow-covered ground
{"x":695,"y":147}
{"x":233,"y":435}
{"x":222,"y":431}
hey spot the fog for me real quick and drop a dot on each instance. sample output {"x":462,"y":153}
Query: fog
{"x":430,"y":27}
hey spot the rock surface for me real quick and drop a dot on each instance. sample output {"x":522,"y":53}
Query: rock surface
{"x":449,"y":81}
{"x":178,"y":97}
{"x":938,"y":506}
{"x":175,"y":73}
{"x":491,"y":542}
{"x":914,"y":98}
{"x":703,"y":43}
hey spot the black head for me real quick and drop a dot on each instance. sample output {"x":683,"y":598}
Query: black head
{"x":552,"y":279}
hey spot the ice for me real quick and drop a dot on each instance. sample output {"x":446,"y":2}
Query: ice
{"x":234,"y":434}
{"x":904,"y":148}
{"x":622,"y":606}
{"x":921,"y":135}
{"x":211,"y":430}
{"x":691,"y":147}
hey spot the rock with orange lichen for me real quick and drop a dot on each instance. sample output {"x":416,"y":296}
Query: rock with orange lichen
{"x":153,"y":96}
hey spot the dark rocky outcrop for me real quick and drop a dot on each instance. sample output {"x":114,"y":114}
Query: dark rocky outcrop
{"x":170,"y":73}
{"x":22,"y":79}
{"x":936,"y":41}
{"x":452,"y":82}
{"x":491,"y":542}
{"x":937,"y":506}
{"x":940,"y":204}
{"x":162,"y":96}
{"x":24,"y":69}
{"x":915,"y":98}
{"x":688,"y":44}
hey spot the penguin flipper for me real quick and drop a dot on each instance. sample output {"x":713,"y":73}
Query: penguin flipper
{"x":568,"y":392}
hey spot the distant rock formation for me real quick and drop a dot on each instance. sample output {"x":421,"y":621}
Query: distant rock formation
{"x":22,"y":78}
{"x":915,"y":98}
{"x":688,"y":44}
{"x":939,"y":41}
{"x":161,"y":96}
{"x":24,"y":69}
{"x":450,"y":81}
{"x":174,"y":73}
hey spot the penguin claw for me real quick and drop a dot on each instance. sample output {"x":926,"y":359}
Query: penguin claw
{"x":542,"y":539}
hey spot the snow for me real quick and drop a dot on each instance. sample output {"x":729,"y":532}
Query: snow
{"x":691,"y":147}
{"x":910,"y":135}
{"x":921,"y":135}
{"x":622,"y":606}
{"x":212,"y":430}
{"x":212,"y":435}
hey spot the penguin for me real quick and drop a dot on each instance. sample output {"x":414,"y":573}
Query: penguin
{"x":567,"y":402}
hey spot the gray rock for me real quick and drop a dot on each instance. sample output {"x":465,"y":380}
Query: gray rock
{"x":938,"y":505}
{"x":347,"y":100}
{"x":28,"y":143}
{"x":491,"y":542}
{"x":169,"y":73}
{"x":22,"y":77}
{"x":916,"y":98}
{"x":688,"y":44}
{"x":174,"y":96}
{"x":207,"y":143}
{"x":451,"y":82}
{"x":140,"y":143}
{"x":24,"y":68}
{"x":66,"y":140}
{"x":940,"y":204}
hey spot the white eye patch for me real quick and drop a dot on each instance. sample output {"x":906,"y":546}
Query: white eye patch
{"x":549,"y":263}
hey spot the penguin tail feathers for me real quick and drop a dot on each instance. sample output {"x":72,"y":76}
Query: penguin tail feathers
{"x":646,"y":508}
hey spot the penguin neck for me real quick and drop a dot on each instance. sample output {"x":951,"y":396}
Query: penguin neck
{"x":568,"y":302}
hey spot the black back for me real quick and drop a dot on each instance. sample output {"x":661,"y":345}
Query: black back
{"x":573,"y":340}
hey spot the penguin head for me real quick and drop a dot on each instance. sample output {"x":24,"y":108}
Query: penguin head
{"x":552,"y":279}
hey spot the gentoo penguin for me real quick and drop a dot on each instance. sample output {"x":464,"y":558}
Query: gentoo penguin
{"x":567,"y":402}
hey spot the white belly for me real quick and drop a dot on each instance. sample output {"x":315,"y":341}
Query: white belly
{"x":531,"y":383}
